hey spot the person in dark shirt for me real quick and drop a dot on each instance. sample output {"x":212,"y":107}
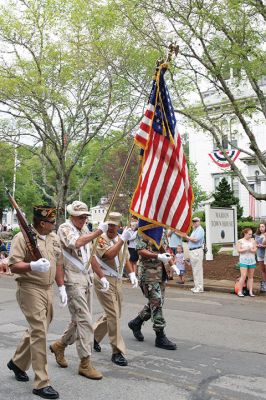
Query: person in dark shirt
{"x":3,"y":247}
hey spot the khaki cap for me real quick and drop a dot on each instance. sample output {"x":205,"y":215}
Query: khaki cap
{"x":77,"y":208}
{"x":114,"y":218}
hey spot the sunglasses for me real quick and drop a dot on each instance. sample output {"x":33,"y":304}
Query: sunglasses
{"x":82,"y":217}
{"x":49,"y":222}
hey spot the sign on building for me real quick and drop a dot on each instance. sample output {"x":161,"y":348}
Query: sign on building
{"x":222,"y":225}
{"x":221,"y":228}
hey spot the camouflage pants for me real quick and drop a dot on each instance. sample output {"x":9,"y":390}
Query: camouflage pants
{"x":154,"y":292}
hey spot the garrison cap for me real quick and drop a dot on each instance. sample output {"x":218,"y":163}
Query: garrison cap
{"x":45,"y":213}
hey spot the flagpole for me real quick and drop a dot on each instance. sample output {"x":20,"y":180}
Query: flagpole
{"x":172,"y":48}
{"x":120,"y":180}
{"x":114,"y":195}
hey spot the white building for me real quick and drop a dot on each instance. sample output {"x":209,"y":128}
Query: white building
{"x":98,"y":212}
{"x":9,"y":219}
{"x":209,"y":174}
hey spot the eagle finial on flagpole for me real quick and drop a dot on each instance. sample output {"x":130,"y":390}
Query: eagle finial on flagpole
{"x":173,"y":50}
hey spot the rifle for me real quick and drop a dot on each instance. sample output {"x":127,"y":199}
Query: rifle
{"x":26,"y":229}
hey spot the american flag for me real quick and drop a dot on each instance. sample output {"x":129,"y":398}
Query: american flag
{"x":163,"y":195}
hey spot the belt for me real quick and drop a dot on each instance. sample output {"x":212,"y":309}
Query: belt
{"x":36,"y":285}
{"x":195,"y":248}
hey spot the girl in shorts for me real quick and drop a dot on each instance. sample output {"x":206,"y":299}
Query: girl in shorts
{"x":180,"y":263}
{"x":246,"y":248}
{"x":260,"y":237}
{"x":132,"y":245}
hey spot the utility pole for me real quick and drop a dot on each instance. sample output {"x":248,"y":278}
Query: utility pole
{"x":14,"y":179}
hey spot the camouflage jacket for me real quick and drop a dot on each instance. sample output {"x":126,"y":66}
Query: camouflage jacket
{"x":151,"y":269}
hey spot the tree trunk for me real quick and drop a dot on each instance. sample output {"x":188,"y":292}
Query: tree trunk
{"x":62,"y":192}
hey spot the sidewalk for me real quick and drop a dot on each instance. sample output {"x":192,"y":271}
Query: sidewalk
{"x":222,"y":286}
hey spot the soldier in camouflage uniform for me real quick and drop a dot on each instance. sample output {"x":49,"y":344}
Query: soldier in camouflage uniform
{"x":152,"y":283}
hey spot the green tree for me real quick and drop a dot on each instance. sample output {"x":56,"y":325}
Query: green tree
{"x":26,"y":192}
{"x":224,"y":197}
{"x":58,"y":89}
{"x":222,"y":53}
{"x":199,"y":194}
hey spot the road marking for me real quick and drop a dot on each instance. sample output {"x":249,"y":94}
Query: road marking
{"x":195,"y":347}
{"x":253,"y":386}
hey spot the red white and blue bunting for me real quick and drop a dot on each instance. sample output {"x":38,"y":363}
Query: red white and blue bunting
{"x":219,"y":159}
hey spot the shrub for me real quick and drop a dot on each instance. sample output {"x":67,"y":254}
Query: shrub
{"x":237,"y":266}
{"x":249,"y":218}
{"x":15,"y":231}
{"x":200,"y":214}
{"x":246,"y":224}
{"x":216,"y":248}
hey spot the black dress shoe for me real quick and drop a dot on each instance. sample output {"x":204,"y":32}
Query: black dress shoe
{"x":96,"y":346}
{"x":119,"y":359}
{"x":19,"y":374}
{"x":46,"y":393}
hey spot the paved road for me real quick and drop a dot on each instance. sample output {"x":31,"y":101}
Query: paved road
{"x":221,"y":355}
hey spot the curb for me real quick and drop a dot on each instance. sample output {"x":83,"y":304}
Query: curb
{"x":213,"y":288}
{"x":229,"y":288}
{"x":207,"y":288}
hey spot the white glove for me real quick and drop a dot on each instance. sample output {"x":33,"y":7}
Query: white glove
{"x":126,"y":235}
{"x":175,"y":269}
{"x":165,"y":257}
{"x":133,"y":279}
{"x":62,"y":296}
{"x":41,"y":265}
{"x":105,"y":284}
{"x":103,"y":226}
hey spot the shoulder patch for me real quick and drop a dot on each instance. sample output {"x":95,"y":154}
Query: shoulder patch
{"x":101,"y":242}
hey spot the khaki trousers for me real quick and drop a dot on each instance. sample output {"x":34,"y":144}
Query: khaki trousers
{"x":36,"y":303}
{"x":111,"y":302}
{"x":196,"y":260}
{"x":80,"y":329}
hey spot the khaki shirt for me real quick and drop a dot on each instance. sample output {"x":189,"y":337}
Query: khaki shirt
{"x":49,"y":248}
{"x":104,"y":244}
{"x":68,"y":235}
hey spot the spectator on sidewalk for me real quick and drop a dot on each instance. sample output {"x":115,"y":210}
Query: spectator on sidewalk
{"x":260,"y":236}
{"x":180,"y":264}
{"x":174,"y":240}
{"x":195,"y":245}
{"x":4,"y":268}
{"x":2,"y":247}
{"x":132,"y":244}
{"x":246,"y":248}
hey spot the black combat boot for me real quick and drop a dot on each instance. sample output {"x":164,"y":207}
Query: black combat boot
{"x":163,"y":342}
{"x":135,"y":325}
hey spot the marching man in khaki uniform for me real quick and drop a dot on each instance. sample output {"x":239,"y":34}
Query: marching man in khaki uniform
{"x":35,"y":298}
{"x":110,"y":254}
{"x":78,"y":276}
